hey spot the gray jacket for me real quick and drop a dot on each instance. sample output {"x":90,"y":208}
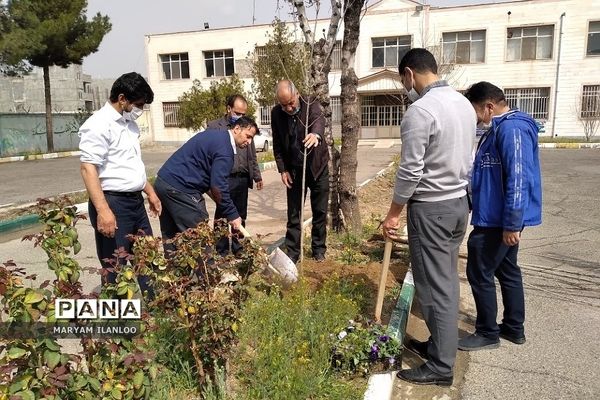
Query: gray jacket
{"x":438,"y":133}
{"x":253,"y":169}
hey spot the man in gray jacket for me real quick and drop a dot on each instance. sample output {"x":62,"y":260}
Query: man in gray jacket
{"x":244,"y":174}
{"x":437,"y":131}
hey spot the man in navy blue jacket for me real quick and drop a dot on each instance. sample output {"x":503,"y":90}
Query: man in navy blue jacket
{"x":507,"y":196}
{"x":201,"y":165}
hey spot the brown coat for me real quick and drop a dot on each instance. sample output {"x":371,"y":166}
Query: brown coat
{"x":281,"y":123}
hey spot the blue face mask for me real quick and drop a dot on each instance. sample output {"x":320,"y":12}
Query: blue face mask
{"x":233,"y":118}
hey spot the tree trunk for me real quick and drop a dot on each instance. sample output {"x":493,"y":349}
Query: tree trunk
{"x":48,"y":96}
{"x":348,"y":190}
{"x":319,"y":76}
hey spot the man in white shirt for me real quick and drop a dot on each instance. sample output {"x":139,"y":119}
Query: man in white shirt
{"x":114,"y":174}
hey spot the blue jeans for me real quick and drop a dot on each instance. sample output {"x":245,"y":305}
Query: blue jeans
{"x":131,"y":216}
{"x":489,"y":257}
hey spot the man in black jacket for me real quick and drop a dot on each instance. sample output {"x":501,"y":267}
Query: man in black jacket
{"x":298,"y":125}
{"x":244,"y":173}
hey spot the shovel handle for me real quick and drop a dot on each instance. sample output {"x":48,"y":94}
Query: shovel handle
{"x":387,"y":255}
{"x":244,"y":232}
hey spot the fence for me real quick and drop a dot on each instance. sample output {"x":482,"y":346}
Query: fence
{"x":26,"y":133}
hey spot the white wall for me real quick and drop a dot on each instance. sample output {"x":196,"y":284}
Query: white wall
{"x":398,"y":18}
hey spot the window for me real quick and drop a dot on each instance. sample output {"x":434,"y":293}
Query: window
{"x":533,"y":101}
{"x":336,"y":110}
{"x":593,"y":41}
{"x":383,"y":110}
{"x":171,"y":114}
{"x":387,"y":52}
{"x":175,"y":66}
{"x":265,"y":115}
{"x":336,"y":56}
{"x":219,"y":63}
{"x":590,"y":101}
{"x":260,"y":51}
{"x":464,"y":47}
{"x":529,"y":43}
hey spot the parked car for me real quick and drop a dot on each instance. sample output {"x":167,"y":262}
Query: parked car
{"x":263,"y":140}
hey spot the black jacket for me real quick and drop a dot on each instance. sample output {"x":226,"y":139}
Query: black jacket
{"x":282,"y":123}
{"x":253,"y":169}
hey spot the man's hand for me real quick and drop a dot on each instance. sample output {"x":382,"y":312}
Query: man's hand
{"x":286,"y":178}
{"x":107,"y":223}
{"x":391,"y":223}
{"x":236,"y":223}
{"x":155,"y":205}
{"x":311,"y":140}
{"x":511,"y":238}
{"x":259,"y":185}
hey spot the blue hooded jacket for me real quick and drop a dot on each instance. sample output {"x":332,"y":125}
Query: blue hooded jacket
{"x":506,"y":184}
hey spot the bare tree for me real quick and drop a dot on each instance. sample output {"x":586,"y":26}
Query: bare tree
{"x":320,"y":67}
{"x":588,"y":113}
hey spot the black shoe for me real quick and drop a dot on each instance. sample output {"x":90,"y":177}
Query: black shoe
{"x":476,"y":342}
{"x":419,"y":348}
{"x":511,"y":337}
{"x":424,"y":376}
{"x":319,"y":258}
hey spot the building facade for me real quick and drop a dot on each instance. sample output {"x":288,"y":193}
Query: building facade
{"x":545,"y":54}
{"x":70,"y":88}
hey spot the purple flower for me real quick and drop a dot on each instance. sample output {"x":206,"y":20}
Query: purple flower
{"x":384,"y":338}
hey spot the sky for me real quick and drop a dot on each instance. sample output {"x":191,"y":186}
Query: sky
{"x":122,"y":49}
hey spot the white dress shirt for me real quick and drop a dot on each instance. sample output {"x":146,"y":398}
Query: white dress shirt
{"x":111,"y":142}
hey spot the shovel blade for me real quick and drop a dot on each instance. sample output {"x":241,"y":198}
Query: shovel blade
{"x":283,"y":265}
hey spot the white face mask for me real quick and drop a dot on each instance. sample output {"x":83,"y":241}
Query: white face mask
{"x":413,"y":95}
{"x":484,"y":125}
{"x":134,"y":114}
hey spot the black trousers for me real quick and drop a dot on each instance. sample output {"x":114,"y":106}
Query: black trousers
{"x":180,"y":211}
{"x":238,"y":190}
{"x":489,"y":257}
{"x":319,"y":197}
{"x":131,"y":216}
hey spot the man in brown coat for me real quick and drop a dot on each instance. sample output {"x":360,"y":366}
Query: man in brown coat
{"x":244,"y":174}
{"x":298,"y":125}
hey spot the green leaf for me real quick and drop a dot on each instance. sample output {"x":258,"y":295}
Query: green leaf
{"x":116,"y":394}
{"x":16,"y":352}
{"x":153,"y":372}
{"x":76,"y":247}
{"x":26,"y":395}
{"x":138,"y":379}
{"x":51,"y":345}
{"x":51,"y":358}
{"x":33,"y":297}
{"x":94,"y":383}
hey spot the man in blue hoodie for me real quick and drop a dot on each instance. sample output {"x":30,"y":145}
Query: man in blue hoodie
{"x":507,"y":196}
{"x":200,"y":166}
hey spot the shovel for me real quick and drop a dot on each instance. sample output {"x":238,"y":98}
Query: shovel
{"x":278,"y":262}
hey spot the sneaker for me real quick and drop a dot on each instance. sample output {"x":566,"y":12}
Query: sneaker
{"x":511,"y":337}
{"x":476,"y":342}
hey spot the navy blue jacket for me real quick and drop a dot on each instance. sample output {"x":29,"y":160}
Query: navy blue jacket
{"x":506,"y":183}
{"x":203,"y":163}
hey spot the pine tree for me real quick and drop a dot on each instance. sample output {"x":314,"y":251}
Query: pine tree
{"x":47,"y":33}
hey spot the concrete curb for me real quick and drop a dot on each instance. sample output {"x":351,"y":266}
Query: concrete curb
{"x":569,"y":145}
{"x":45,"y":156}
